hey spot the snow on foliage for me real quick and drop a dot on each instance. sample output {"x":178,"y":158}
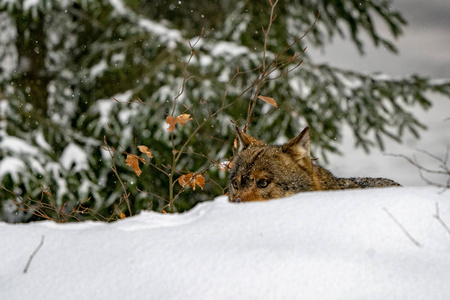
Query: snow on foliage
{"x":228,"y":49}
{"x":99,"y":68}
{"x":119,"y":6}
{"x":27,"y":4}
{"x":41,"y":142}
{"x":12,"y":166}
{"x":321,"y":245}
{"x":17,"y":145}
{"x":74,"y":157}
{"x":169,"y":36}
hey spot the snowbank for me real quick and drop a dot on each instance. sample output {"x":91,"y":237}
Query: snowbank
{"x":365,"y":244}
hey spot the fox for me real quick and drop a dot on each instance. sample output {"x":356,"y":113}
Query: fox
{"x":262,"y":172}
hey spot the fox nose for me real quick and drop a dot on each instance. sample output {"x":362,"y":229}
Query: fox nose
{"x":237,"y":200}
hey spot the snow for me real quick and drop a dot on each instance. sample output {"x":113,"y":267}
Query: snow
{"x":27,"y":4}
{"x":74,"y":157}
{"x":119,"y":7}
{"x":206,"y":60}
{"x":17,"y":145}
{"x":13,"y":166}
{"x":322,"y":245}
{"x":34,"y":165}
{"x":124,"y":97}
{"x":228,"y":49}
{"x":104,"y":108}
{"x":98,"y":69}
{"x":169,"y":36}
{"x":41,"y":142}
{"x":61,"y":183}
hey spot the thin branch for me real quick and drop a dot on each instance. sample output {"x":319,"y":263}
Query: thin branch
{"x":275,"y":64}
{"x":125,"y":195}
{"x":33,"y":254}
{"x":311,"y":27}
{"x":443,"y":168}
{"x":266,"y":33}
{"x":438,"y":218}
{"x":402,"y":228}
{"x":164,"y":200}
{"x":158,"y":168}
{"x":185,"y":73}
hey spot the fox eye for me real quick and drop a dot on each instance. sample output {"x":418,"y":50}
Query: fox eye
{"x":234,"y":183}
{"x":262,"y":183}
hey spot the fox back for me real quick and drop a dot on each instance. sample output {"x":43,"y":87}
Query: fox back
{"x":262,"y":172}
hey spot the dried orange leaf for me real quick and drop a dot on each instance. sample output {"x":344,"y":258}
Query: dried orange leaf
{"x":145,"y":150}
{"x":185,"y":179}
{"x":191,"y":180}
{"x":269,"y":100}
{"x":198,"y":180}
{"x":183,"y":119}
{"x":133,"y":162}
{"x":236,"y":144}
{"x":171,"y":121}
{"x":122,"y":215}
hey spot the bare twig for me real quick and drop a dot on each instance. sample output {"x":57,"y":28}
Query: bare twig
{"x":442,"y":169}
{"x":276,"y":64}
{"x":33,"y":254}
{"x":125,"y":195}
{"x":154,"y":195}
{"x":185,"y":72}
{"x":415,"y":242}
{"x":438,"y":218}
{"x":266,"y":32}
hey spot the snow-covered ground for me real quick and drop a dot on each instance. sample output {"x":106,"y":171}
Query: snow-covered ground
{"x":363,"y":244}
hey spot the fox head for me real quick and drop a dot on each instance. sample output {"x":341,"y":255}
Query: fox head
{"x":262,"y":172}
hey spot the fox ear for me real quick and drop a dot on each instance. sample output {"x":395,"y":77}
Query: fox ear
{"x":246,"y":140}
{"x":299,"y":146}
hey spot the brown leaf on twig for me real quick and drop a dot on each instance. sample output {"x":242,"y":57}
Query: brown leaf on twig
{"x":181,"y":119}
{"x":192,"y":180}
{"x":185,"y":179}
{"x":171,"y":121}
{"x":145,"y":150}
{"x":198,"y":180}
{"x":133,"y":162}
{"x":269,"y":100}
